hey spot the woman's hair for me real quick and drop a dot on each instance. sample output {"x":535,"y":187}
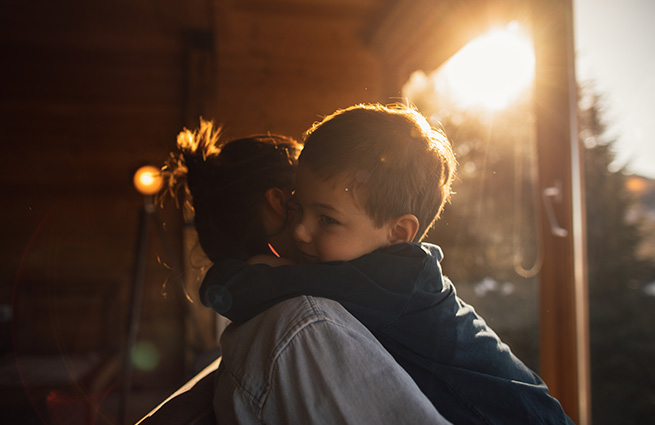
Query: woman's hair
{"x":226,"y":183}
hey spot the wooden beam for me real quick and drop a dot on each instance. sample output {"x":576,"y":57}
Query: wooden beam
{"x":564,"y":348}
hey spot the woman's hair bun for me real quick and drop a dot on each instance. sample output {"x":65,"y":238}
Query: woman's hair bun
{"x":191,"y":165}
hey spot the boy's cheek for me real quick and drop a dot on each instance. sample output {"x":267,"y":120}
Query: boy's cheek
{"x":337,"y":251}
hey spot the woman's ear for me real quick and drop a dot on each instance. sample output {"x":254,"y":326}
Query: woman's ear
{"x":276,"y":201}
{"x":403,"y":229}
{"x":274,"y":211}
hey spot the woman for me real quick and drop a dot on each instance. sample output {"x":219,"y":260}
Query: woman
{"x":305,"y":360}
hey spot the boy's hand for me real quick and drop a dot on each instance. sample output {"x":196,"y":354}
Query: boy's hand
{"x":270,"y":260}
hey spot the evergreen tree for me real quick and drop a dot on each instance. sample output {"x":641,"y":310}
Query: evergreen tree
{"x":621,"y":316}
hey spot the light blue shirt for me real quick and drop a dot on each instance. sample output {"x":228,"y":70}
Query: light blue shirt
{"x":308,"y":361}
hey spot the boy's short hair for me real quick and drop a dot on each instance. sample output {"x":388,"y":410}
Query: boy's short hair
{"x":399,"y":163}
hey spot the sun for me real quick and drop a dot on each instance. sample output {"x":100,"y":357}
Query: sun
{"x":491,"y":70}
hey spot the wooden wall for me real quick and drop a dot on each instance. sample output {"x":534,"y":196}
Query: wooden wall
{"x":92,"y":90}
{"x":280,"y":68}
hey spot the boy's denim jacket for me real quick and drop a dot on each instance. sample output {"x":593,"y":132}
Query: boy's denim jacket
{"x":401,"y":296}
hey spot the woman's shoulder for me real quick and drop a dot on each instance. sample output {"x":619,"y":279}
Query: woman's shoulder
{"x":251,"y":350}
{"x":277,"y":326}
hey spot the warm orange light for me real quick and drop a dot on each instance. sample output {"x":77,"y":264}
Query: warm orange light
{"x":148,"y":180}
{"x":636,"y":184}
{"x":492,"y":70}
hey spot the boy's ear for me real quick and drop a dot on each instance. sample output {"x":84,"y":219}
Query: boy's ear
{"x":276,"y":200}
{"x":403,"y":229}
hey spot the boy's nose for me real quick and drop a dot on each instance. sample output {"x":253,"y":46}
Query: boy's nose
{"x":301,"y":234}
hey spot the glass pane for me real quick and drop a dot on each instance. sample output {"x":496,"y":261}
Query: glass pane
{"x":489,"y":230}
{"x":616,"y":126}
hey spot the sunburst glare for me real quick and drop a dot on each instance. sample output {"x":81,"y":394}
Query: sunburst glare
{"x":491,"y":70}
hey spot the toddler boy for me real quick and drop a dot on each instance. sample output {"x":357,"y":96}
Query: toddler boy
{"x":371,"y":181}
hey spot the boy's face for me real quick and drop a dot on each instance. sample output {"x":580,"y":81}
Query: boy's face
{"x":332,"y":225}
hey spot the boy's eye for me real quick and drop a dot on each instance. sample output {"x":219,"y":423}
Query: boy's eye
{"x":328,"y":221}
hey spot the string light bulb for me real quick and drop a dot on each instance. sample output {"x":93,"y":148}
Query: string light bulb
{"x":148,"y":180}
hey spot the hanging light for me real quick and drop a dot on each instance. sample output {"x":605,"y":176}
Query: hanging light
{"x":148,"y":180}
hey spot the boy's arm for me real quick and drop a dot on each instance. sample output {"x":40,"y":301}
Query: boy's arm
{"x":377,"y":285}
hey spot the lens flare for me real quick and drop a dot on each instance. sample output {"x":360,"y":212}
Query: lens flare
{"x":145,"y":355}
